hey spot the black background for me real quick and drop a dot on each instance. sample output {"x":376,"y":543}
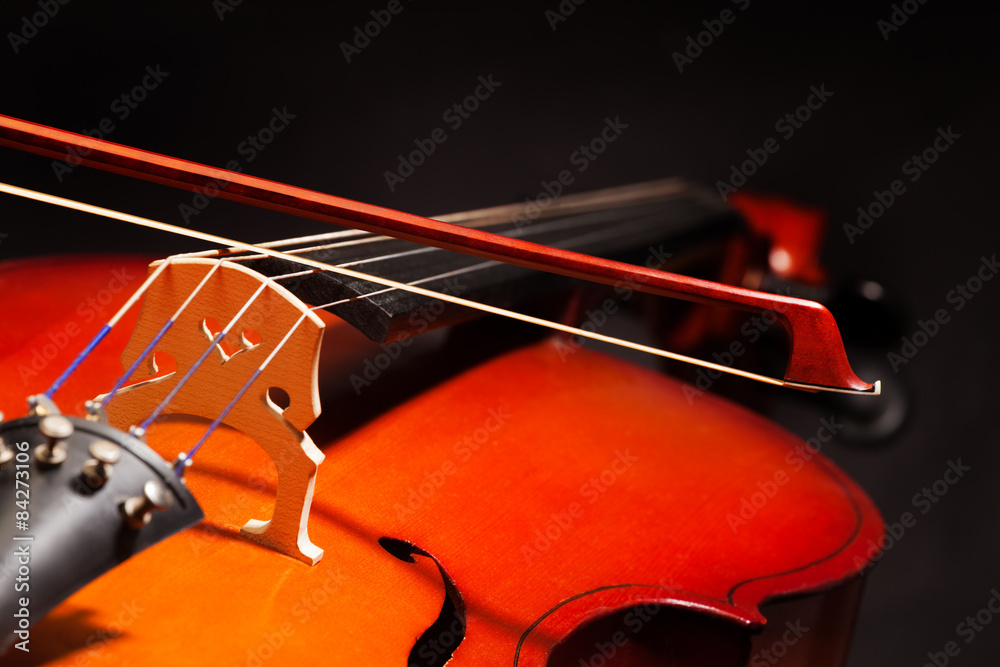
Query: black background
{"x":606,"y":59}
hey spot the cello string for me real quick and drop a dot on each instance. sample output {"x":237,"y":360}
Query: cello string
{"x":186,"y":459}
{"x":592,"y":237}
{"x":547,"y":226}
{"x":592,"y":202}
{"x":156,"y":339}
{"x":144,"y":426}
{"x":173,"y":318}
{"x":105,"y":330}
{"x":225,"y":242}
{"x":326,"y":236}
{"x":456,"y":218}
{"x":543,"y":227}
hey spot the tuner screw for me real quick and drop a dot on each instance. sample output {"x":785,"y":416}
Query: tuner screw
{"x":97,"y":470}
{"x":56,"y":429}
{"x":138,"y":510}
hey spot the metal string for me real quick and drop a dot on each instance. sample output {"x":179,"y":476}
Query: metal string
{"x":185,"y":459}
{"x":548,"y":226}
{"x":576,"y":331}
{"x":141,"y":429}
{"x":105,"y":330}
{"x":156,"y":339}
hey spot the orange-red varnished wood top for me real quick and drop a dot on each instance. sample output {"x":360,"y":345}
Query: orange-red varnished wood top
{"x":552,"y":484}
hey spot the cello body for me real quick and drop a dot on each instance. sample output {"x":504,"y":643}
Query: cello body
{"x":551,"y":505}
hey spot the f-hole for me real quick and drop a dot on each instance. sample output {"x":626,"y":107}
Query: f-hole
{"x":444,"y":635}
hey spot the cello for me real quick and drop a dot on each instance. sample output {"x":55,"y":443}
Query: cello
{"x":546,"y":505}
